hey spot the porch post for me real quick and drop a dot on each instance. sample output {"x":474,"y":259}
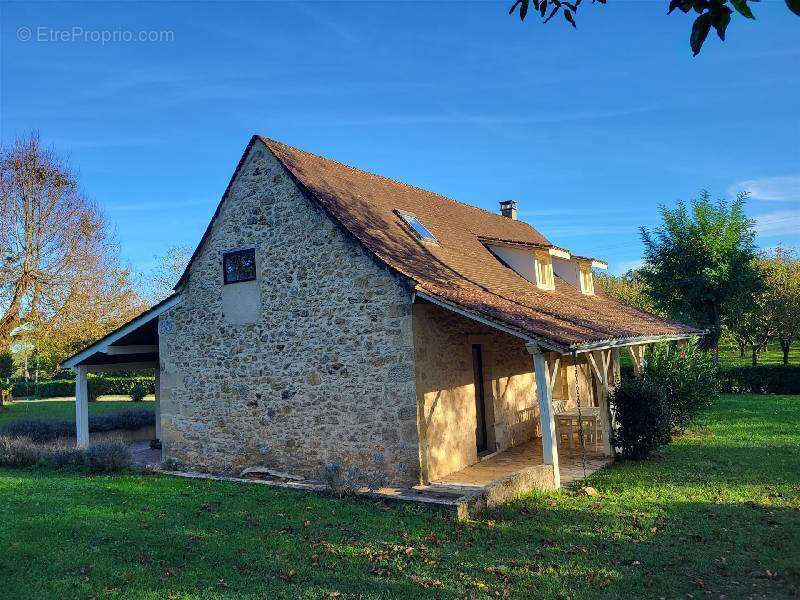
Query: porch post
{"x":158,"y":403}
{"x":82,"y":406}
{"x":600,"y":363}
{"x":548,"y":425}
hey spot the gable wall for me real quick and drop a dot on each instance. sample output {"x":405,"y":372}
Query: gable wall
{"x":323,"y":375}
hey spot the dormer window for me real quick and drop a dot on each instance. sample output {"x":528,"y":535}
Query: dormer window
{"x":239,"y":266}
{"x":587,"y":281}
{"x":416,"y":226}
{"x":543,"y":264}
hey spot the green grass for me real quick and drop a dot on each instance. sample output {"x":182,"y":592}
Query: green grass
{"x":719,"y":514}
{"x":729,"y":356}
{"x":63,"y":410}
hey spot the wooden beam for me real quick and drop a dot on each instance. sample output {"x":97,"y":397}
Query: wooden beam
{"x":603,"y":357}
{"x":130,"y":366}
{"x":546,"y":417}
{"x":593,"y":364}
{"x":636,"y":353}
{"x":143,"y":349}
{"x":551,"y":375}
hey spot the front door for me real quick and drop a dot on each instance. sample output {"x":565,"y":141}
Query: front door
{"x":480,"y":401}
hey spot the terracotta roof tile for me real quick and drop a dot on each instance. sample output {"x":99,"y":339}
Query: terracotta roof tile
{"x":459,"y":269}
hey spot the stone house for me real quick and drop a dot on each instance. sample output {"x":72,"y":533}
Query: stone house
{"x":335,"y":319}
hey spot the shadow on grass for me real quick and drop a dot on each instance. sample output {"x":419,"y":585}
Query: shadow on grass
{"x":152,"y":537}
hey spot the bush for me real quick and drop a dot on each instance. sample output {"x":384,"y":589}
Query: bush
{"x":15,"y":452}
{"x":108,"y":457}
{"x":39,"y":431}
{"x":47,"y":431}
{"x":137,"y":391}
{"x":689,"y":377}
{"x":643,"y":416}
{"x":763,"y":379}
{"x":122,"y":419}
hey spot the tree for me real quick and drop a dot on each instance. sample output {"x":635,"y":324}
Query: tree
{"x":783,"y":281}
{"x":699,"y":264}
{"x":7,"y":368}
{"x":60,"y":274}
{"x":628,"y":289}
{"x":755,"y":326}
{"x":158,"y":284}
{"x":711,"y":13}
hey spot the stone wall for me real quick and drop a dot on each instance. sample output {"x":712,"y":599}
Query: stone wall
{"x":324,"y":376}
{"x":446,"y":391}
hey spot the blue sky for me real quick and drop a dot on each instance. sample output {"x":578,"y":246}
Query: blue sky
{"x":588,"y":129}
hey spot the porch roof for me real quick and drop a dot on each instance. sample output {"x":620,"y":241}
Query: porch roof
{"x":134,"y":344}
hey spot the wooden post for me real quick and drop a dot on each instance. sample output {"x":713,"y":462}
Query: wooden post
{"x":82,"y":405}
{"x":546,"y":419}
{"x":599,"y":360}
{"x":617,"y":376}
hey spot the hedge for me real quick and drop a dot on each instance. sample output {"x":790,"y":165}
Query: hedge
{"x":763,"y":379}
{"x":99,"y":385}
{"x":46,"y":431}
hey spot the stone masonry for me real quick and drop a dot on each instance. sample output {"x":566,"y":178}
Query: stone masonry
{"x":324,"y":375}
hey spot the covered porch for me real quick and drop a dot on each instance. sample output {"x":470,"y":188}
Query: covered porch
{"x":132,"y":347}
{"x":541,"y":411}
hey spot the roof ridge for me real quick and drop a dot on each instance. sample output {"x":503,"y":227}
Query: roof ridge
{"x":269,"y":141}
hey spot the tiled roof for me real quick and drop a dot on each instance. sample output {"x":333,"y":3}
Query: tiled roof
{"x":459,"y":270}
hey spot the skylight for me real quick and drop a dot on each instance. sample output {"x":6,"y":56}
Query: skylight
{"x":415,"y":224}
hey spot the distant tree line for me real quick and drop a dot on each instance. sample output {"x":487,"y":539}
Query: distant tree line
{"x":701,"y":266}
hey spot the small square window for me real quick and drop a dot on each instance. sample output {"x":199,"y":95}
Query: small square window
{"x":239,"y":266}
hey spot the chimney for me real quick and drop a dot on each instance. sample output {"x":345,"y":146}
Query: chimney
{"x":508,"y":208}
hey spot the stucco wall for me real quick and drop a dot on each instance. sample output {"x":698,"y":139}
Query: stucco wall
{"x":324,"y":376}
{"x":446,"y":392}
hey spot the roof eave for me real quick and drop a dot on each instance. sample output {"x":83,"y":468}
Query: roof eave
{"x":104,"y":342}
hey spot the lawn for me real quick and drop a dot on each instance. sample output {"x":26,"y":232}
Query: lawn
{"x":63,"y":410}
{"x":729,"y":356}
{"x":718,"y":515}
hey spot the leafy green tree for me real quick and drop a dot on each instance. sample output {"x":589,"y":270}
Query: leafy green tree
{"x":711,"y":13}
{"x":782,"y":278}
{"x":628,"y":289}
{"x":699,"y":263}
{"x":7,"y":368}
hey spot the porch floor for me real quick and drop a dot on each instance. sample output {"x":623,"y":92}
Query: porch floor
{"x":513,"y":460}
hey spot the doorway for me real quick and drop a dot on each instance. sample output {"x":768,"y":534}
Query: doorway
{"x":481,"y":440}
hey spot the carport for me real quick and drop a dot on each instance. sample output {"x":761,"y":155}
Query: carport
{"x":131,"y":347}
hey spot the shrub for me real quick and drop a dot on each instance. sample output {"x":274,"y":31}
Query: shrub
{"x":16,"y":452}
{"x":108,"y":457}
{"x":122,"y":419}
{"x":689,"y":377}
{"x":39,"y":431}
{"x":339,"y":485}
{"x":47,"y":431}
{"x":137,"y":391}
{"x":763,"y":379}
{"x":62,"y":457}
{"x":644,"y":417}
